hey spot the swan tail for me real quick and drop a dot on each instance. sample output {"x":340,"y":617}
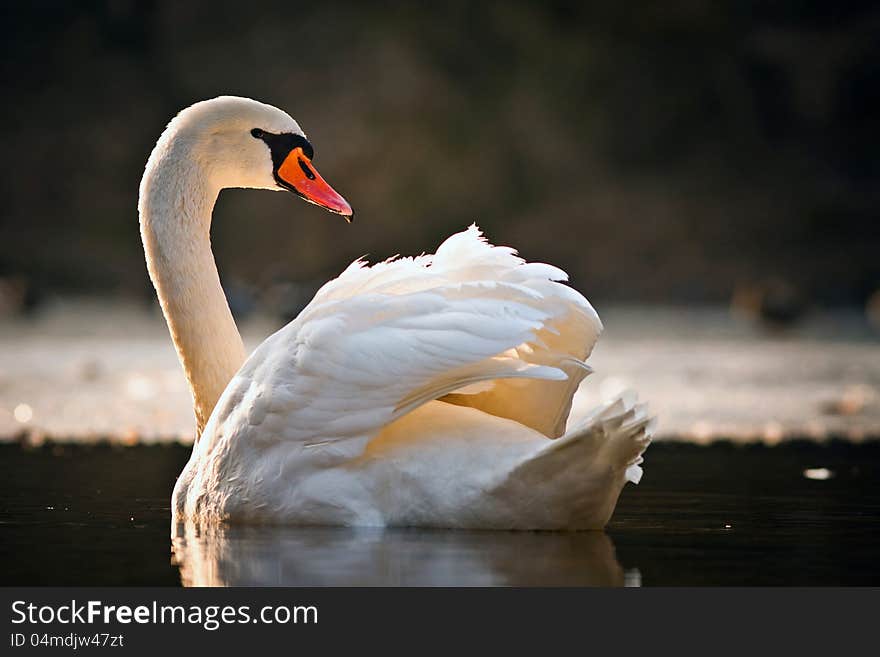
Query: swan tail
{"x":574,"y":481}
{"x":621,"y":429}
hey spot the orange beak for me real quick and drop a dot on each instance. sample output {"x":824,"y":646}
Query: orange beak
{"x":297,"y":174}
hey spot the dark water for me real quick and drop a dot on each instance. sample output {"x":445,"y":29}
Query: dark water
{"x":99,"y":515}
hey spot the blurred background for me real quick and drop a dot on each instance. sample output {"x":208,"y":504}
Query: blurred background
{"x":706,"y":171}
{"x":658,"y":152}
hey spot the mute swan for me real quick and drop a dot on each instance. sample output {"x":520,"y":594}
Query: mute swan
{"x":427,"y":391}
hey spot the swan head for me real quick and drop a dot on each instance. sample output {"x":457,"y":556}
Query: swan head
{"x":240,"y":142}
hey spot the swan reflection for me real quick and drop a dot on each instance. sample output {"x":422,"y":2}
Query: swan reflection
{"x":308,"y":556}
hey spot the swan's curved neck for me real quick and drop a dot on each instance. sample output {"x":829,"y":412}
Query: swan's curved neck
{"x":175,"y":206}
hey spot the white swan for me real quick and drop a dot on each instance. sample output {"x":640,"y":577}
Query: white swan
{"x":430,"y":391}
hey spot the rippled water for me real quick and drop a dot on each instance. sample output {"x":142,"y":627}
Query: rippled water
{"x":702,"y":515}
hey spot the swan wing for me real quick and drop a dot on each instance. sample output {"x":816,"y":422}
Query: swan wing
{"x":473,"y":324}
{"x":564,"y":341}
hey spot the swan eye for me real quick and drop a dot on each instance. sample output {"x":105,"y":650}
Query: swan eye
{"x":257,"y":133}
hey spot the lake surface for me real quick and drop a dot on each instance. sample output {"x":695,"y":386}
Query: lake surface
{"x":799,"y":513}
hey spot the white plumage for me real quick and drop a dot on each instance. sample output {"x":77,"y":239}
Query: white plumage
{"x":430,"y":391}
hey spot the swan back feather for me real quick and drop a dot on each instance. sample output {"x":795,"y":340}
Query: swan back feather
{"x":474,"y":325}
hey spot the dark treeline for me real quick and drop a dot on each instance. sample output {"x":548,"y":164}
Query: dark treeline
{"x":669,"y":151}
